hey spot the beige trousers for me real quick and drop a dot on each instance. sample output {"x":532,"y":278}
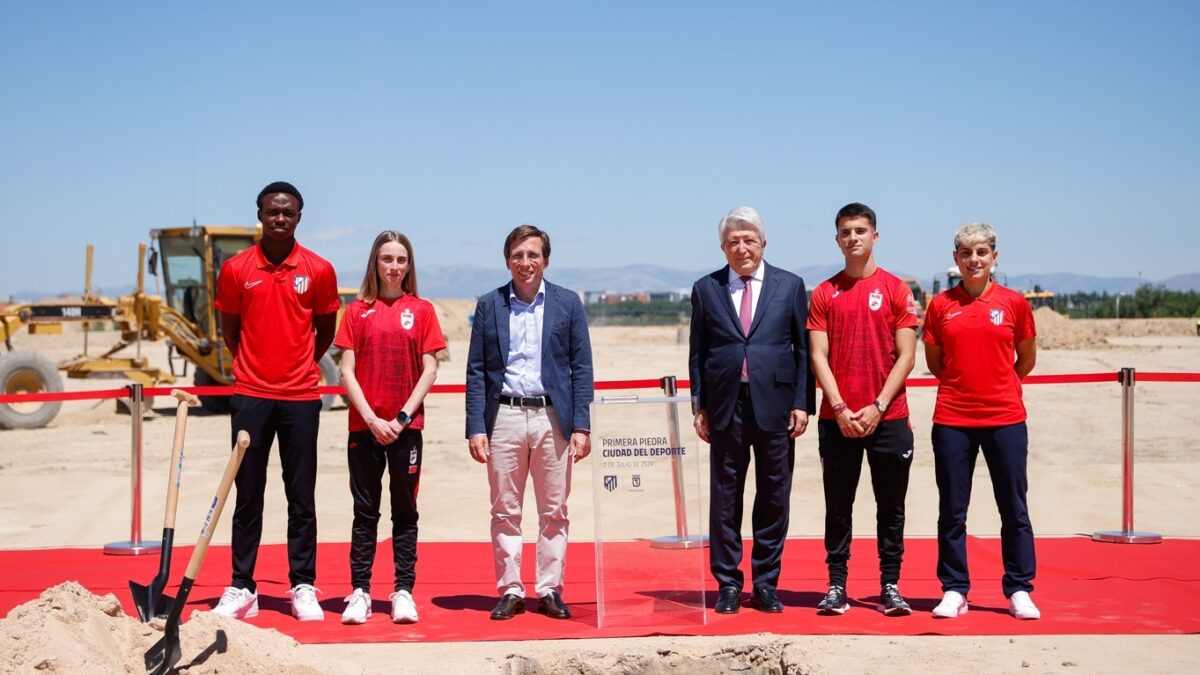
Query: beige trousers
{"x":524,"y":442}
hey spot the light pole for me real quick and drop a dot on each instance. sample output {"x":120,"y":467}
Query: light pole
{"x":1134,"y":298}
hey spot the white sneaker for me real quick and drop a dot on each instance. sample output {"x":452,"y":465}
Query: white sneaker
{"x":404,"y":610}
{"x":1021,"y":606}
{"x":304,"y":603}
{"x":953,"y":604}
{"x":237,"y":603}
{"x":358,"y":608}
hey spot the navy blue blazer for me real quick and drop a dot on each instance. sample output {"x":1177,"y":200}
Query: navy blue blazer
{"x":566,"y":359}
{"x":776,"y":350}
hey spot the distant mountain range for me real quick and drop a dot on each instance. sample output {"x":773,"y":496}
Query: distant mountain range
{"x":469,"y":281}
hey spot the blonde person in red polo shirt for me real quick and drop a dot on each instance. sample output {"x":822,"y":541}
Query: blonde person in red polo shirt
{"x":979,"y":343}
{"x":389,"y":338}
{"x":278,"y":304}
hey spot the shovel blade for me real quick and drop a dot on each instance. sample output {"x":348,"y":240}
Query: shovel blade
{"x":162,"y":608}
{"x":142,"y":600}
{"x":165,"y":653}
{"x":150,"y":601}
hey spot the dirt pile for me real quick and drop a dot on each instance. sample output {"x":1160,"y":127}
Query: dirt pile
{"x":1140,"y":327}
{"x":454,"y":317}
{"x":1055,"y":331}
{"x":770,"y":658}
{"x":68,"y":629}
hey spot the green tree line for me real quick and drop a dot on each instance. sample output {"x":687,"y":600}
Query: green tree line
{"x":1148,"y":301}
{"x":633,"y":313}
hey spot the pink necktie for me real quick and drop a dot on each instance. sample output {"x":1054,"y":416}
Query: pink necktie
{"x":744,"y":315}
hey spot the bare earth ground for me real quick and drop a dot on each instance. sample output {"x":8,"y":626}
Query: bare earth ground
{"x":1075,"y":476}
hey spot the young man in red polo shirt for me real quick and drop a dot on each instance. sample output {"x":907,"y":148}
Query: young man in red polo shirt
{"x":862,"y":336}
{"x":278,"y":304}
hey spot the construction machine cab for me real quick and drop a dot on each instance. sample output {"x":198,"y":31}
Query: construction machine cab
{"x":191,"y":258}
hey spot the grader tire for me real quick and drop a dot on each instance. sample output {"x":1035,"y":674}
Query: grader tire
{"x":28,"y":373}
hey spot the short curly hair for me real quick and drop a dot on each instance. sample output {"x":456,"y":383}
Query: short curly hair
{"x":280,"y":186}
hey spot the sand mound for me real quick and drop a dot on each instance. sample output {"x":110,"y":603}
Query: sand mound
{"x":68,"y":629}
{"x":1142,"y":327}
{"x":776,"y":656}
{"x":1055,"y":331}
{"x":454,"y":315}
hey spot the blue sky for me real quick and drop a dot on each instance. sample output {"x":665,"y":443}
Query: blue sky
{"x":625,"y":129}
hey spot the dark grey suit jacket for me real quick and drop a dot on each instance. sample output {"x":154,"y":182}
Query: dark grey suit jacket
{"x":776,"y":350}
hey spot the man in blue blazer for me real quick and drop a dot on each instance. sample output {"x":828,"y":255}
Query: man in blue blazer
{"x":752,"y":392}
{"x":529,"y":385}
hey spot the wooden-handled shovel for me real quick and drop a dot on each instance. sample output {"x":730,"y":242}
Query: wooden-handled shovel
{"x":165,"y":653}
{"x":149,"y":600}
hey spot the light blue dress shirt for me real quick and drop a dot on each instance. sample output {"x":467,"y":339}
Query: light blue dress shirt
{"x":523,"y":370}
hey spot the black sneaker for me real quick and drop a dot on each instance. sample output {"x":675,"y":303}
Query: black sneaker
{"x":834,"y":602}
{"x":892,"y":603}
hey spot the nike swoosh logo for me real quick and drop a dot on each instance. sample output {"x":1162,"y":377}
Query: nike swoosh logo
{"x":252,"y":284}
{"x":952,"y":315}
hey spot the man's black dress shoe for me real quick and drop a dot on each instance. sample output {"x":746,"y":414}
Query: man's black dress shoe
{"x":729,"y":600}
{"x":553,"y":606}
{"x":510,"y":606}
{"x":764,"y":600}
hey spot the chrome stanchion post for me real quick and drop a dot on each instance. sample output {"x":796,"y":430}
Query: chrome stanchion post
{"x":1127,"y":535}
{"x":681,"y":538}
{"x":135,"y":545}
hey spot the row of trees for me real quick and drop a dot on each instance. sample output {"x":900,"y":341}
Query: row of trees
{"x":634,"y":313}
{"x":1148,"y":301}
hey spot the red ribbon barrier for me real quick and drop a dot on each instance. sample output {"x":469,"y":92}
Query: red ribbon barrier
{"x":86,"y":395}
{"x":99,"y":394}
{"x":1166,"y":377}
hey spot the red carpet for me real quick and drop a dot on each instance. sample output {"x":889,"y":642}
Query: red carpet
{"x":1082,"y":588}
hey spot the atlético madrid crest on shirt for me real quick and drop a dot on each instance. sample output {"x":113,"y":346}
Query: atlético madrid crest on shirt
{"x":300,"y":283}
{"x":998,"y":317}
{"x":406,"y":319}
{"x":875,"y":300}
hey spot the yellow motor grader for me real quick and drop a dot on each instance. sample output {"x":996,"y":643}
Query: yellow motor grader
{"x":186,"y":261}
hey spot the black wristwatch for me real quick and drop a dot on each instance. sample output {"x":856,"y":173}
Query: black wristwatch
{"x":403,"y":418}
{"x":880,"y":404}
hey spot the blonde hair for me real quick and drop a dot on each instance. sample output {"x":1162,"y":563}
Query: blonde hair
{"x":975,"y":231}
{"x":369,"y":290}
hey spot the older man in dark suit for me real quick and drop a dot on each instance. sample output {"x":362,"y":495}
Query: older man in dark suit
{"x":752,"y":392}
{"x":529,"y":385}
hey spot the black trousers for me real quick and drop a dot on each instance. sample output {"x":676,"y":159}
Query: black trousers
{"x":774,"y":454}
{"x":889,"y":453}
{"x":1006,"y":450}
{"x":296,"y":424}
{"x":368,"y":460}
